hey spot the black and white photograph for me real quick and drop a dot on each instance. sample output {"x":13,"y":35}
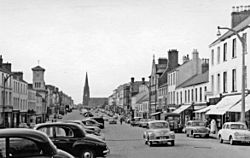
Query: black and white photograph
{"x":124,"y":78}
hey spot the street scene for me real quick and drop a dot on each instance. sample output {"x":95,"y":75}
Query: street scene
{"x":124,"y":78}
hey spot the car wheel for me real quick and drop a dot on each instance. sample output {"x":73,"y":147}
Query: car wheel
{"x":191,"y":133}
{"x":231,"y":140}
{"x":220,"y":139}
{"x":172,"y":143}
{"x":87,"y":153}
{"x":150,"y":143}
{"x":187,"y":134}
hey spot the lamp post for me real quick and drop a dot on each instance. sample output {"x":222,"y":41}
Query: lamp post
{"x":244,"y":49}
{"x":5,"y":79}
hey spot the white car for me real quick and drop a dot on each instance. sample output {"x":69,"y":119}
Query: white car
{"x":234,"y":132}
{"x":158,"y":131}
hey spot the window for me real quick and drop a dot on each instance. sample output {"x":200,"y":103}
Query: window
{"x":21,"y":147}
{"x":63,"y":132}
{"x":225,"y":52}
{"x":200,"y":94}
{"x":245,"y":76}
{"x":192,"y":95}
{"x":212,"y":83}
{"x":218,"y":55}
{"x":177,"y":98}
{"x":173,"y":97}
{"x":218,"y":83}
{"x":2,"y":147}
{"x":245,"y":38}
{"x":224,"y":82}
{"x":234,"y":88}
{"x":196,"y":98}
{"x":205,"y":96}
{"x":181,"y":97}
{"x":185,"y":96}
{"x":234,"y":48}
{"x":212,"y":57}
{"x":188,"y":95}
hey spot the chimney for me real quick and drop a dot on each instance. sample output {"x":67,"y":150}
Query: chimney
{"x":172,"y":59}
{"x":132,"y":79}
{"x":143,"y":80}
{"x":1,"y":61}
{"x":162,"y":61}
{"x":239,"y":14}
{"x":195,"y":54}
{"x":7,"y":66}
{"x":185,"y":58}
{"x":19,"y":75}
{"x":205,"y":65}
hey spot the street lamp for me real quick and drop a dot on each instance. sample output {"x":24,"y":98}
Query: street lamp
{"x":5,"y":79}
{"x":244,"y":49}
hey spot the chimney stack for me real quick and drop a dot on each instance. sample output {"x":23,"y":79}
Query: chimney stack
{"x":7,"y":66}
{"x":132,"y":79}
{"x":143,"y":80}
{"x":172,"y":59}
{"x":1,"y":61}
{"x":239,"y":14}
{"x":19,"y":75}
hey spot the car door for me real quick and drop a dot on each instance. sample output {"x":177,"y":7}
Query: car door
{"x":64,"y":138}
{"x":226,"y":132}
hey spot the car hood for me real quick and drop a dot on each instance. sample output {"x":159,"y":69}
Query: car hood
{"x":63,"y":154}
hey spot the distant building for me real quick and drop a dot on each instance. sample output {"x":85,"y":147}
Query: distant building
{"x":86,"y":92}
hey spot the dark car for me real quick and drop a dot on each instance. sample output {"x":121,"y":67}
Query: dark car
{"x":91,"y":122}
{"x":100,"y":120}
{"x":72,"y":138}
{"x":21,"y":142}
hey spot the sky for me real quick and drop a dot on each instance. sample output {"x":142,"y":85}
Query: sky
{"x":111,"y":40}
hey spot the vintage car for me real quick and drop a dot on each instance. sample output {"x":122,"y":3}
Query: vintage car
{"x":112,"y":121}
{"x":21,"y":142}
{"x":90,"y":131}
{"x":135,"y":121}
{"x":234,"y":132}
{"x":144,"y":123}
{"x":174,"y":121}
{"x":196,"y":128}
{"x":158,"y":131}
{"x":91,"y":122}
{"x":72,"y":138}
{"x":99,"y":120}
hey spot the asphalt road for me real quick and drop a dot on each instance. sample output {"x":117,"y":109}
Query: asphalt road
{"x":125,"y":141}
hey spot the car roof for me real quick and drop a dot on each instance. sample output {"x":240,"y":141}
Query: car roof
{"x":24,"y":132}
{"x":57,"y":124}
{"x":196,"y":121}
{"x":155,"y":121}
{"x":235,"y":123}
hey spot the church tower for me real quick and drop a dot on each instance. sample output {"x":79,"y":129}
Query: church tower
{"x":86,"y":93}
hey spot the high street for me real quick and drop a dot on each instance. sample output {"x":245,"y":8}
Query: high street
{"x":125,"y":141}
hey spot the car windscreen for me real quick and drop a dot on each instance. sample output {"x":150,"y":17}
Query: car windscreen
{"x":157,"y":125}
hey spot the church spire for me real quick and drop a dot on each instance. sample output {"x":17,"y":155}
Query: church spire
{"x":86,"y":93}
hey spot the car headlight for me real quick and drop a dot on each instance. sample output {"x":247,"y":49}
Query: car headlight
{"x":151,"y":135}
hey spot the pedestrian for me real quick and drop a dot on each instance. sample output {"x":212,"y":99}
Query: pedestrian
{"x":121,"y":119}
{"x":213,"y":127}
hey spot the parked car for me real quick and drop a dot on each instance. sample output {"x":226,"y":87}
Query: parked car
{"x":91,"y":130}
{"x":174,"y":121}
{"x":99,"y":120}
{"x":196,"y":128}
{"x":135,"y":121}
{"x":21,"y":142}
{"x":112,"y":121}
{"x":144,"y":123}
{"x":234,"y":132}
{"x":158,"y":131}
{"x":72,"y":138}
{"x":91,"y":122}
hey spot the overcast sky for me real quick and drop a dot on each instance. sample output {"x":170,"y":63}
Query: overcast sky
{"x":112,"y":40}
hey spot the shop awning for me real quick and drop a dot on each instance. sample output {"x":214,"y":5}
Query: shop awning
{"x":237,"y":107}
{"x":181,"y":108}
{"x":224,"y":105}
{"x":203,"y":110}
{"x":156,"y":113}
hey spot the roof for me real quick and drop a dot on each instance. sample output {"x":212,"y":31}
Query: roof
{"x":142,"y":98}
{"x":195,"y":80}
{"x":240,"y":27}
{"x":237,"y":107}
{"x":38,"y":68}
{"x":181,"y":108}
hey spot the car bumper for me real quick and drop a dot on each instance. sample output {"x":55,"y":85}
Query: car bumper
{"x":242,"y":139}
{"x":161,"y":140}
{"x":107,"y":151}
{"x":201,"y":134}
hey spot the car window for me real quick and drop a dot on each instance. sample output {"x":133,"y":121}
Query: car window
{"x":47,"y":130}
{"x":198,"y":123}
{"x":2,"y":148}
{"x":238,"y":126}
{"x":22,"y":147}
{"x":227,"y":126}
{"x":157,"y":125}
{"x":64,"y":132}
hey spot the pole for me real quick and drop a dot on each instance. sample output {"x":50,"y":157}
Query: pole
{"x":242,"y":118}
{"x":4,"y":123}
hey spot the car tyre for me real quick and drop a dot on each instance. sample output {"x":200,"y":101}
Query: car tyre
{"x":172,"y":143}
{"x":149,"y":143}
{"x":187,"y":134}
{"x":87,"y":153}
{"x":231,"y":140}
{"x":220,"y":139}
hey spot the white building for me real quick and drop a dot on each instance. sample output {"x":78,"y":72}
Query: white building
{"x":225,"y":73}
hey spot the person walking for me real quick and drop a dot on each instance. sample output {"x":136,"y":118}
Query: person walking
{"x":121,"y":120}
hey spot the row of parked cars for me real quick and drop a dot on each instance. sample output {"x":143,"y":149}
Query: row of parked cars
{"x":61,"y":139}
{"x":159,"y":131}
